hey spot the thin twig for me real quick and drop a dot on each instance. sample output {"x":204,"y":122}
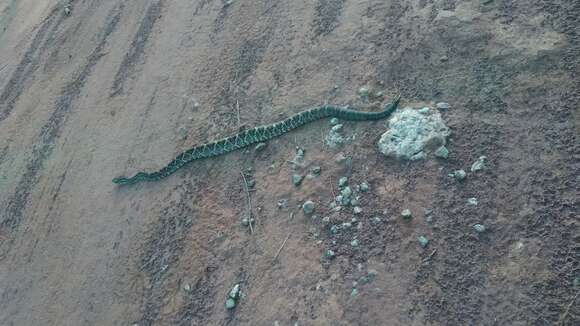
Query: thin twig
{"x":430,"y":256}
{"x":280,"y":249}
{"x":238,"y":110}
{"x":249,"y":202}
{"x":565,"y":314}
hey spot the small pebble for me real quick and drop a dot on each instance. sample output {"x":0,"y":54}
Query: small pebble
{"x":260,"y":147}
{"x":326,"y":219}
{"x":443,"y":106}
{"x":316,"y":170}
{"x":282,"y":203}
{"x":297,"y":179}
{"x":308,"y":207}
{"x":442,"y":152}
{"x":334,"y":121}
{"x":354,"y":292}
{"x":363,"y":92}
{"x":346,"y":225}
{"x":235,"y":292}
{"x":364,"y":187}
{"x":342,"y":182}
{"x":444,"y":58}
{"x":406,"y":214}
{"x":230,"y":303}
{"x":340,"y":158}
{"x":423,"y":242}
{"x":354,"y":202}
{"x":479,"y":164}
{"x":334,"y":229}
{"x":479,"y":228}
{"x":424,"y":110}
{"x":376,"y":220}
{"x":371,"y":275}
{"x":354,"y":243}
{"x":357,"y":210}
{"x":329,"y":254}
{"x":246,"y":221}
{"x":336,"y":128}
{"x":472,"y":201}
{"x":458,"y":175}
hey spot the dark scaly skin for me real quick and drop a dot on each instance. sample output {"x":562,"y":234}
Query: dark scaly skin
{"x":256,"y":135}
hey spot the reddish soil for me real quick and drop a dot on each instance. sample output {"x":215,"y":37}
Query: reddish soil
{"x":123,"y":86}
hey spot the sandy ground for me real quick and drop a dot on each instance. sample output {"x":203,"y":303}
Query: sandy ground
{"x":123,"y":86}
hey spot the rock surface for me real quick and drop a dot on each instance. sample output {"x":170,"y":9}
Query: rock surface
{"x":412,"y":134}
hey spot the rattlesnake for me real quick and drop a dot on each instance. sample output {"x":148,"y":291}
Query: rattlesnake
{"x":258,"y":134}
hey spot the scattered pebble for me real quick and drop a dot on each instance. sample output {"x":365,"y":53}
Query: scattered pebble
{"x":345,"y":193}
{"x":406,"y":214}
{"x":297,"y":179}
{"x":346,"y":225}
{"x":246,"y":221}
{"x":442,"y":152}
{"x":364,"y":187}
{"x":357,"y":210}
{"x":230,"y":303}
{"x":187,"y":287}
{"x":354,"y":292}
{"x":444,"y":58}
{"x":371,"y":275}
{"x":329,"y":254}
{"x":340,"y":158}
{"x":354,"y":243}
{"x":334,"y":121}
{"x":423,"y":242}
{"x":376,"y":220}
{"x":334,"y":138}
{"x":424,"y":110}
{"x":342,"y":182}
{"x":326,"y":219}
{"x":479,"y":228}
{"x":472,"y":201}
{"x":260,"y":147}
{"x":443,"y":106}
{"x":282,"y":203}
{"x":334,"y":229}
{"x":316,"y":170}
{"x":308,"y":207}
{"x":479,"y":164}
{"x":363,"y":92}
{"x":233,"y":297}
{"x":458,"y":175}
{"x":354,"y":202}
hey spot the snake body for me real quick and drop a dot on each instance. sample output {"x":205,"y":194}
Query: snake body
{"x":255,"y":135}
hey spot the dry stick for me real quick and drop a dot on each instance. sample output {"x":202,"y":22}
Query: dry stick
{"x":249,"y":202}
{"x":565,"y":314}
{"x":280,"y":249}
